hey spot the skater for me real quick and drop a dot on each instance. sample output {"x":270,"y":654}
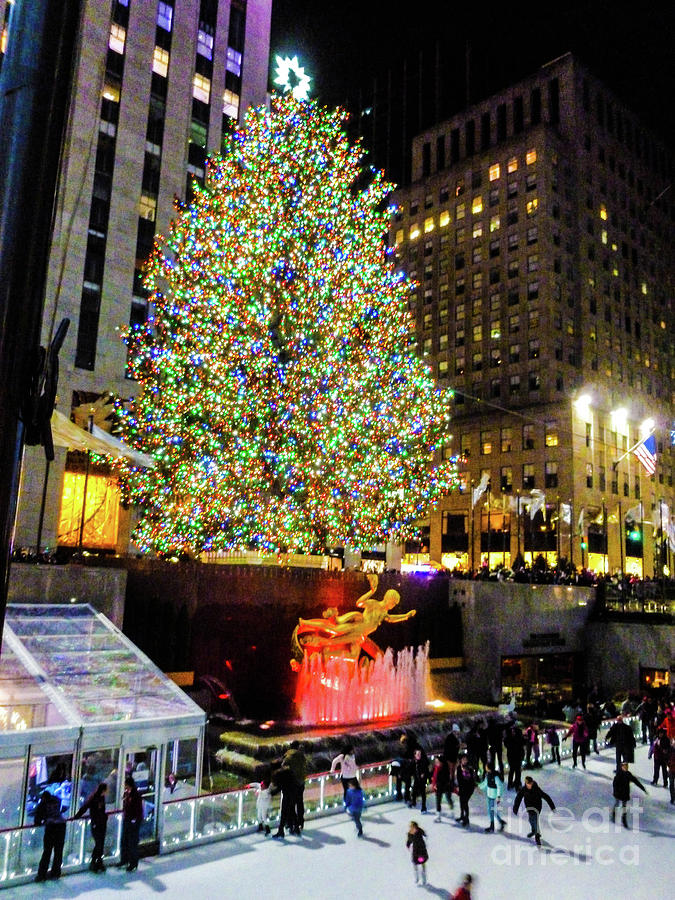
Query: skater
{"x":355,"y":802}
{"x":441,"y":783}
{"x":532,"y":746}
{"x":592,"y":718}
{"x":553,"y":740}
{"x":495,"y":739}
{"x":466,"y":783}
{"x":463,"y":892}
{"x":418,"y":852}
{"x":451,"y":748}
{"x":420,"y":778}
{"x":515,"y":751}
{"x":283,"y":782}
{"x":263,"y":801}
{"x":346,"y":763}
{"x":671,"y":771}
{"x":659,"y":750}
{"x":621,"y":737}
{"x":402,"y":766}
{"x":579,"y":732}
{"x":296,"y":761}
{"x":48,"y":813}
{"x":621,"y":790}
{"x":493,"y":787}
{"x":98,"y":822}
{"x":132,"y":816}
{"x":532,"y":795}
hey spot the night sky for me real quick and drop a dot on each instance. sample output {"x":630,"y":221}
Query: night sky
{"x":347,"y":43}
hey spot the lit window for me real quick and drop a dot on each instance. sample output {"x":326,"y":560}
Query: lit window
{"x":205,"y":44}
{"x":414,"y":232}
{"x":494,"y":172}
{"x":147,"y":207}
{"x":643,"y":287}
{"x":399,"y":237}
{"x":459,"y":212}
{"x":444,"y":219}
{"x":233,"y":61}
{"x":532,"y":206}
{"x":231,"y":104}
{"x":103,"y":504}
{"x":603,"y":212}
{"x":201,"y":88}
{"x":512,"y":165}
{"x":477,"y":229}
{"x":117,"y":38}
{"x":486,"y":442}
{"x":531,"y":156}
{"x":603,"y":236}
{"x":164,"y":15}
{"x":160,"y":61}
{"x":477,"y":205}
{"x":551,"y":435}
{"x":496,"y":330}
{"x":111,"y":92}
{"x":495,"y":223}
{"x":428,"y":224}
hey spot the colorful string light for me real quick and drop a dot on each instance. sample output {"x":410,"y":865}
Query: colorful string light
{"x":280,"y":392}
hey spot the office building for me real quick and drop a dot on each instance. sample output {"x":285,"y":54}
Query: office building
{"x":538,"y":229}
{"x":157,"y":86}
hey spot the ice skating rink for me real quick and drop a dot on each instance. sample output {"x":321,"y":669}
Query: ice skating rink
{"x":583,"y":854}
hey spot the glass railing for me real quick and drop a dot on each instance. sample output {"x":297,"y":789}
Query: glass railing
{"x":191,"y":821}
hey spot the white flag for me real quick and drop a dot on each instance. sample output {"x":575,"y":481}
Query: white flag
{"x":580,"y":523}
{"x":634,"y":514}
{"x":538,"y":502}
{"x":566,"y":513}
{"x":480,"y":489}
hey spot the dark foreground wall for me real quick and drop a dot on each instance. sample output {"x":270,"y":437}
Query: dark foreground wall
{"x":235,"y":622}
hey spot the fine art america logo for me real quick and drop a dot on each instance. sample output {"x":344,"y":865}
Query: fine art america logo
{"x":595,"y":822}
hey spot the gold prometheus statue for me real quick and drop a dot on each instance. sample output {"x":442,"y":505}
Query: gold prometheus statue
{"x":347,"y":635}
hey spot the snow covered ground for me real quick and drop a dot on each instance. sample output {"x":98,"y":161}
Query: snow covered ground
{"x":583,"y":855}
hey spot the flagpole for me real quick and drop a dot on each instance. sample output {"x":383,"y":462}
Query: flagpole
{"x":642,"y":546}
{"x":504,"y":529}
{"x":473,"y":529}
{"x":518,"y":520}
{"x":571,"y":527}
{"x":622,"y":529}
{"x":489,"y":524}
{"x":557,"y":528}
{"x":604,"y":536}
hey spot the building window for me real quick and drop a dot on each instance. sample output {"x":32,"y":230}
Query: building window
{"x":514,"y":353}
{"x":201,"y":88}
{"x":477,"y":281}
{"x":532,"y":206}
{"x":428,"y":224}
{"x":506,"y":479}
{"x":551,"y":434}
{"x":147,"y":207}
{"x":533,"y":381}
{"x":444,"y":219}
{"x":528,"y":437}
{"x":514,"y":384}
{"x":160,"y":61}
{"x":512,"y":268}
{"x":589,"y":432}
{"x":460,"y":211}
{"x":512,"y":165}
{"x":231,"y":105}
{"x":494,"y":172}
{"x":164,"y":16}
{"x":477,"y":362}
{"x":589,"y":475}
{"x":551,"y":474}
{"x":117,"y":39}
{"x":506,"y":439}
{"x":533,"y":348}
{"x":477,"y":205}
{"x":486,"y":443}
{"x":528,"y":476}
{"x":477,"y":333}
{"x":514,"y":323}
{"x":477,"y":230}
{"x":495,"y":223}
{"x":205,"y":47}
{"x":532,"y":262}
{"x":531,"y":156}
{"x":532,"y":235}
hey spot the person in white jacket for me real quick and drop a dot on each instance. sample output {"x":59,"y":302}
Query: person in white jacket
{"x":493,"y":787}
{"x":346,"y":763}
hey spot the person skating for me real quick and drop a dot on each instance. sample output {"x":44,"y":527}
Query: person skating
{"x":621,"y":790}
{"x":466,"y":783}
{"x":297,"y":762}
{"x":354,"y":803}
{"x":263,"y":802}
{"x":463,"y":892}
{"x":553,"y":740}
{"x":621,"y":737}
{"x":132,"y":816}
{"x":345,"y":762}
{"x":592,"y":718}
{"x":441,"y":783}
{"x":671,"y":771}
{"x":418,"y":852}
{"x":98,"y":822}
{"x":532,"y":746}
{"x":515,"y":751}
{"x":660,"y":751}
{"x":283,"y":782}
{"x":493,"y":787}
{"x":531,"y":795}
{"x":48,"y":813}
{"x":420,"y":779}
{"x":579,"y":732}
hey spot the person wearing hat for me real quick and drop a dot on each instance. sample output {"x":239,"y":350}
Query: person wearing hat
{"x":579,"y":732}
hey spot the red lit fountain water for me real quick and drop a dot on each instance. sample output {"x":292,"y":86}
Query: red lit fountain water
{"x":344,"y":677}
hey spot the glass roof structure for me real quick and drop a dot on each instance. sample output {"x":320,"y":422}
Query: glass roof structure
{"x":67,"y":665}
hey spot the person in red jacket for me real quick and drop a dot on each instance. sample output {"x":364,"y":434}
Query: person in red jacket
{"x":579,"y":732}
{"x":463,"y":892}
{"x":132,"y":816}
{"x":668,"y":723}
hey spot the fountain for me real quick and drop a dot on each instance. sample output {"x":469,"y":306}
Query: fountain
{"x":345,"y":678}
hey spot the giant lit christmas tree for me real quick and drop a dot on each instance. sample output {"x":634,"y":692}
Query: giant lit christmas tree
{"x":280,"y":392}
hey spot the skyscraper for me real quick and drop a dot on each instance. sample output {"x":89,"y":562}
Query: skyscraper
{"x":158,"y":85}
{"x":538,"y":227}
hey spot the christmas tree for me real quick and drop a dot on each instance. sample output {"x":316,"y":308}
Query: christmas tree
{"x":280,"y":393}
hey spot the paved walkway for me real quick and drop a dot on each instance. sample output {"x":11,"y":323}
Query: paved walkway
{"x":583,"y":854}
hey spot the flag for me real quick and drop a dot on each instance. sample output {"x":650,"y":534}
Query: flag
{"x":646,"y":453}
{"x":538,"y":502}
{"x":566,"y":513}
{"x":480,"y":489}
{"x":580,"y":523}
{"x":634,"y":514}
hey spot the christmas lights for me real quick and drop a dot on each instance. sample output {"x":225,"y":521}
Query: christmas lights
{"x":280,"y":392}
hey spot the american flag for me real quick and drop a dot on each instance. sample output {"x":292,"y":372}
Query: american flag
{"x":646,"y":453}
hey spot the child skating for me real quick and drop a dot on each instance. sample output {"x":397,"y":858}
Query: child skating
{"x":418,"y":852}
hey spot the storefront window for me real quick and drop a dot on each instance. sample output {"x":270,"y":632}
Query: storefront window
{"x":98,"y":766}
{"x":55,"y":771}
{"x":11,"y":786}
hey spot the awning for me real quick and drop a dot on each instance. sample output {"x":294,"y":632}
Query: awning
{"x":67,"y":434}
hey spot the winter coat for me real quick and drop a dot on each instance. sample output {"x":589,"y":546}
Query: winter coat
{"x":132,"y":805}
{"x":421,"y":768}
{"x":492,"y":786}
{"x":440,"y":777}
{"x":515,"y":745}
{"x":282,"y":781}
{"x":418,"y":846}
{"x":466,"y":781}
{"x":532,"y":798}
{"x":552,"y":737}
{"x":95,"y":803}
{"x":347,"y":765}
{"x":451,"y":747}
{"x":660,"y":749}
{"x":296,"y":761}
{"x":579,"y":731}
{"x":354,"y":801}
{"x":621,"y":785}
{"x":621,"y":736}
{"x":592,"y":719}
{"x":671,"y":761}
{"x":669,"y":725}
{"x":48,"y":810}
